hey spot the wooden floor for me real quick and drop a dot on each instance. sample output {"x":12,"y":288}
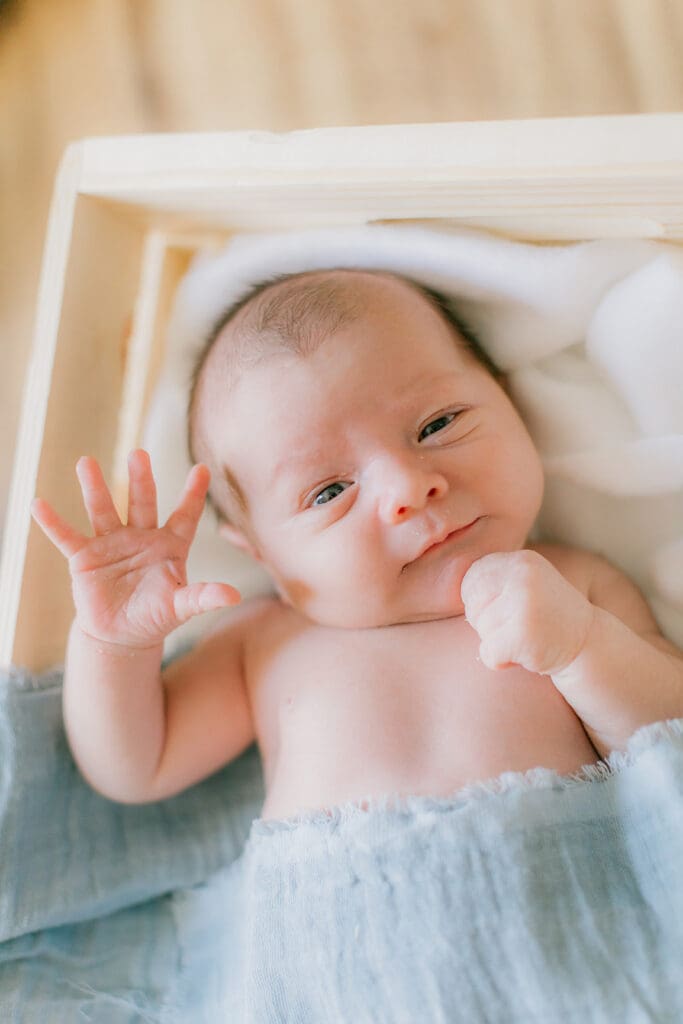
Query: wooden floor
{"x":70,"y":68}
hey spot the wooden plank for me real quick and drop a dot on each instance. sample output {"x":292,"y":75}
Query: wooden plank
{"x":164,"y":263}
{"x":576,"y":177}
{"x":35,"y":400}
{"x":119,"y":165}
{"x":78,"y":358}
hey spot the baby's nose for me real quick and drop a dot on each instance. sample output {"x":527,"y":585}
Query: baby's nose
{"x":407,"y":488}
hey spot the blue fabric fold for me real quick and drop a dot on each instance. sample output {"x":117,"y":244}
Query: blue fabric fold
{"x":87,"y":927}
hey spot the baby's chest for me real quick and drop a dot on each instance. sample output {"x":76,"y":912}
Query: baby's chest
{"x":415,"y":696}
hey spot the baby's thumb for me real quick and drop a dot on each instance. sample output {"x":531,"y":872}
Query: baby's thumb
{"x":203,"y":597}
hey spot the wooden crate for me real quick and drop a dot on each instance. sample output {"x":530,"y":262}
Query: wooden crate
{"x":129,"y":212}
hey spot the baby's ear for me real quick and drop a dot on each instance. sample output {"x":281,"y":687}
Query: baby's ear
{"x":235,"y":536}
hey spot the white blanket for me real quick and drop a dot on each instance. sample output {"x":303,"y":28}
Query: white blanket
{"x":591,"y":336}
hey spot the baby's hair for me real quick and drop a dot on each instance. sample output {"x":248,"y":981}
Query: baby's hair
{"x":454,"y":317}
{"x":298,"y":319}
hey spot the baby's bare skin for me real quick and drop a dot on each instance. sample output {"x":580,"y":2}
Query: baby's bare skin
{"x":416,"y":643}
{"x":345,"y":715}
{"x":349,"y":715}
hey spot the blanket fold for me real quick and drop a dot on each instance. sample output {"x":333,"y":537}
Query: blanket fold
{"x":69,"y":855}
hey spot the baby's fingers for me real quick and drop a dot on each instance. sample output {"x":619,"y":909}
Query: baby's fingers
{"x":98,"y":501}
{"x":184,"y":519}
{"x":203,"y":597}
{"x":142,"y":492}
{"x":64,"y":537}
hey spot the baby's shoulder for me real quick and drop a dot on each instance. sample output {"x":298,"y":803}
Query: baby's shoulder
{"x":606,"y":586}
{"x":579,"y":566}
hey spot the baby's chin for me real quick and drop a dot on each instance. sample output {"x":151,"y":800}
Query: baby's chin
{"x":384,"y":614}
{"x":433,"y":597}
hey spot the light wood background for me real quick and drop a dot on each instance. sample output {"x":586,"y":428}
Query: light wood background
{"x":71,"y":68}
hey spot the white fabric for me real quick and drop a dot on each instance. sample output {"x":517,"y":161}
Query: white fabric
{"x":591,"y":336}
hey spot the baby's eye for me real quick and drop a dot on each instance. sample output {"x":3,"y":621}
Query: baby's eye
{"x":330,"y":492}
{"x":440,"y":423}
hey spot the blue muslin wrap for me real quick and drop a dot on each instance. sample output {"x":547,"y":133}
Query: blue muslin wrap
{"x":536,"y":898}
{"x":88,"y":888}
{"x":533,"y":899}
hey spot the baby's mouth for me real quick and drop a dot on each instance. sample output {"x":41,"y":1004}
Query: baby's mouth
{"x":453,"y":536}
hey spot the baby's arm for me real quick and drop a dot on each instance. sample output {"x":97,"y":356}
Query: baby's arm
{"x":626,"y":674}
{"x":601,"y":647}
{"x":135,"y":735}
{"x":140,"y":735}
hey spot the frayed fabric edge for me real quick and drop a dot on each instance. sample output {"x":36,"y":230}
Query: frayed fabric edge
{"x":644,"y":739}
{"x":18,"y":679}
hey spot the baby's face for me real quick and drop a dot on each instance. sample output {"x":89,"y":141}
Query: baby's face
{"x":379,"y":468}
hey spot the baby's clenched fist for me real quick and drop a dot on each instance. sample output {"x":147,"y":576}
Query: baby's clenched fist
{"x":525,"y":612}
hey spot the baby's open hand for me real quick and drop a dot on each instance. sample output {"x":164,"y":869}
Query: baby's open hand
{"x":525,"y":612}
{"x":129,"y":581}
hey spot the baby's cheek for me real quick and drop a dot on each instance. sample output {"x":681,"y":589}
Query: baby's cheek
{"x":312,"y":583}
{"x":359,"y":591}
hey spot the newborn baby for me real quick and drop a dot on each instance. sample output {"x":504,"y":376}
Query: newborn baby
{"x":354,"y":440}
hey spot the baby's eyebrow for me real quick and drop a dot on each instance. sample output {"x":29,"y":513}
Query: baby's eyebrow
{"x":295,"y":461}
{"x":428,"y":381}
{"x":236,"y":491}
